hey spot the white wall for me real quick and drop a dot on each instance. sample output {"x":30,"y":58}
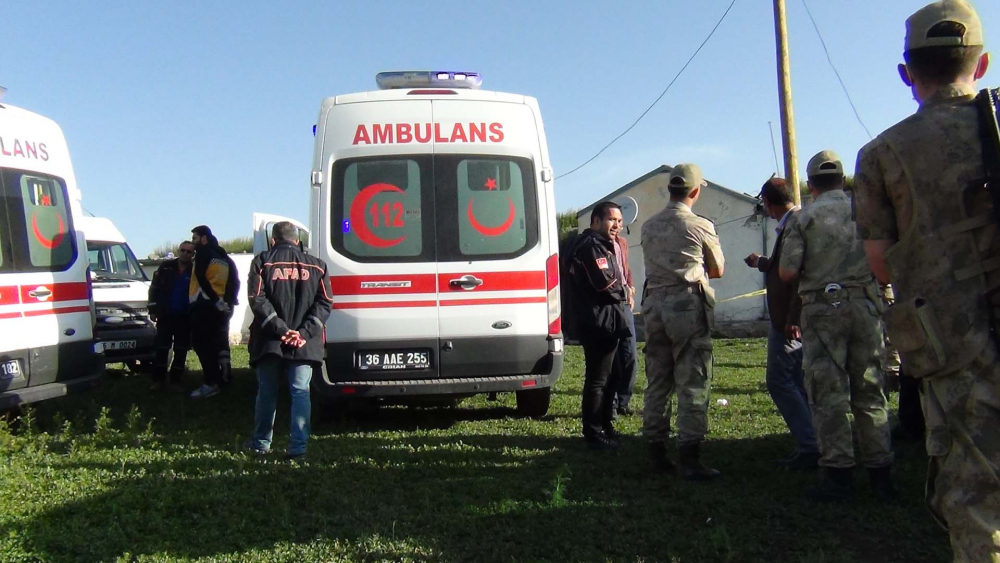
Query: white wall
{"x":738,"y":238}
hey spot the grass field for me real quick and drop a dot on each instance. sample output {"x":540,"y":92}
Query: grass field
{"x":120,"y":474}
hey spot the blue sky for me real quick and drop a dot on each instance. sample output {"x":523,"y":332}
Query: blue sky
{"x":184,"y":113}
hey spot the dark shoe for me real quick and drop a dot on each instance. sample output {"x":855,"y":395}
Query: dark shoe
{"x":659,"y":463}
{"x":625,"y":411}
{"x":691,"y":466}
{"x":601,"y":443}
{"x":836,"y":485}
{"x":880,"y":479}
{"x":613,"y":435}
{"x":803,"y":461}
{"x":301,"y":456}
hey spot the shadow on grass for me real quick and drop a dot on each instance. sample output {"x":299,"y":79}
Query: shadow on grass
{"x":391,"y":484}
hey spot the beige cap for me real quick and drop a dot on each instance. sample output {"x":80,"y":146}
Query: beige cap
{"x":825,"y":162}
{"x":686,"y":176}
{"x":958,"y":11}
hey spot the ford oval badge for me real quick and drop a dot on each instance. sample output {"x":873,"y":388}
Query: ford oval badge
{"x":500,"y":325}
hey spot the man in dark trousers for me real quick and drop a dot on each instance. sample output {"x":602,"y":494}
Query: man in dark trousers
{"x":626,"y":357}
{"x":600,"y":302}
{"x":784,"y":376}
{"x":168,"y":307}
{"x":291,"y":298}
{"x":212,"y":295}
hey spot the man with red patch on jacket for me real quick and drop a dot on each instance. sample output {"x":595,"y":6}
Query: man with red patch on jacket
{"x":291,"y":298}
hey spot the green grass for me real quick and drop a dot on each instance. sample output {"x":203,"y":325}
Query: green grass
{"x":120,"y":474}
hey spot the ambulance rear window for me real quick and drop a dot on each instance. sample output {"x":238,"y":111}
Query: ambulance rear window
{"x":383,"y":209}
{"x":38,"y":219}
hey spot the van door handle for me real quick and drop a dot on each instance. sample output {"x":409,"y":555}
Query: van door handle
{"x":40,"y":293}
{"x":466,"y":282}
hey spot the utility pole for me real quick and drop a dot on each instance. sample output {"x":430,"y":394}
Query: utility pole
{"x":785,"y":100}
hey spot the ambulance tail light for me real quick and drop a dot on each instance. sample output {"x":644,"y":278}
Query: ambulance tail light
{"x":428,"y":79}
{"x":552,"y":297}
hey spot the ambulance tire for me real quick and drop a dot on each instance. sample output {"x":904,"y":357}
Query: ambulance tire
{"x":533,"y":403}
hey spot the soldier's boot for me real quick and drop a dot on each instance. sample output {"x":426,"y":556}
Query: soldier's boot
{"x":836,"y":484}
{"x":880,"y":479}
{"x":659,"y":463}
{"x":691,"y":467}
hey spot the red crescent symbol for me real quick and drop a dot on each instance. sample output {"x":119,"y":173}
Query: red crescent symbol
{"x":357,"y":216}
{"x":491,"y":231}
{"x":52,"y":242}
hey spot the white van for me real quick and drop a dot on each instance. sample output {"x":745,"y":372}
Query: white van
{"x":432,"y":204}
{"x":121,"y":296}
{"x":47,"y":346}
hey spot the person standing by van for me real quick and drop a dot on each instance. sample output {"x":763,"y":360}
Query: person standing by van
{"x":212,"y":294}
{"x":599,"y":291}
{"x":168,"y":307}
{"x":291,"y":298}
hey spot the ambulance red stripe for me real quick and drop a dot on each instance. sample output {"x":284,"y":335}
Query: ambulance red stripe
{"x":497,"y":281}
{"x":493,"y":301}
{"x":383,"y":304}
{"x":9,"y":295}
{"x":69,"y":291}
{"x":351,"y":285}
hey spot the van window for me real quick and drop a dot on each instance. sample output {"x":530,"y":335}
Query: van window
{"x":113,"y":260}
{"x":38,"y":217}
{"x":383,"y":209}
{"x":488,"y":207}
{"x":303,"y":235}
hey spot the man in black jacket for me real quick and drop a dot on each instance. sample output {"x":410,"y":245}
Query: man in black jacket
{"x":599,"y":294}
{"x":168,"y":307}
{"x":291,"y":298}
{"x":212,"y":293}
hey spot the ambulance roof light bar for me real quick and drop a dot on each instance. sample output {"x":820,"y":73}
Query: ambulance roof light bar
{"x":428,"y":78}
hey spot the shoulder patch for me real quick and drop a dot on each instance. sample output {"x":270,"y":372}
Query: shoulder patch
{"x":602,"y":263}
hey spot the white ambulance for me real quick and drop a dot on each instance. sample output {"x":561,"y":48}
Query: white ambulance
{"x":432,"y":203}
{"x":47,"y":345}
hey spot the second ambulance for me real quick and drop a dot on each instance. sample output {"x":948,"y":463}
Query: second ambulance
{"x":432,"y":203}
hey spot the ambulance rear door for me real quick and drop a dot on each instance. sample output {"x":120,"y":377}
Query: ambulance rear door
{"x":492,"y":240}
{"x":380,"y":242}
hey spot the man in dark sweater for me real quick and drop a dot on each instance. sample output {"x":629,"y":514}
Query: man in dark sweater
{"x":212,"y":295}
{"x":168,"y":307}
{"x":291,"y":298}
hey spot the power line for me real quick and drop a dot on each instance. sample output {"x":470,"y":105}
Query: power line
{"x":681,"y":71}
{"x":839,"y":79}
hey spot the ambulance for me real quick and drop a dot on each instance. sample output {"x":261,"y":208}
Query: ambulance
{"x":47,"y":316}
{"x":432,"y":204}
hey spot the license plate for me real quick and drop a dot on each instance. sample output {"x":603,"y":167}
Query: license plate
{"x":119,"y":345}
{"x":10,"y":369}
{"x":386,"y":360}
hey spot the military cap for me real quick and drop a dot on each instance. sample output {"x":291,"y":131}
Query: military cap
{"x":958,"y":11}
{"x":686,"y":176}
{"x":825,"y":162}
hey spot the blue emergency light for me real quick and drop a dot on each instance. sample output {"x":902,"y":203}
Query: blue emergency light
{"x":428,"y":78}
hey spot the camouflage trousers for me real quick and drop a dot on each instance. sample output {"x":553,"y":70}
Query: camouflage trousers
{"x":842,"y":348}
{"x":678,"y":359}
{"x":962,"y":411}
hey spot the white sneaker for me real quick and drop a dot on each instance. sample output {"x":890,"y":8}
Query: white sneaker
{"x":205,"y":391}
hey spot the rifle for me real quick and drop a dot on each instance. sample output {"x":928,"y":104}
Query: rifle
{"x":987,"y":103}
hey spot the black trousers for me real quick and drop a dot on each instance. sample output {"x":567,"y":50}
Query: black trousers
{"x":600,"y":381}
{"x":210,"y":340}
{"x":911,"y":414}
{"x":171,"y":331}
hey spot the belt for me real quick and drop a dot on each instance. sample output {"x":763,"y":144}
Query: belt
{"x":675,"y":289}
{"x":834,"y":293}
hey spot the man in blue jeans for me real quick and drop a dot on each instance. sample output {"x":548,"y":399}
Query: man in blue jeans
{"x":291,"y":298}
{"x":784,"y":376}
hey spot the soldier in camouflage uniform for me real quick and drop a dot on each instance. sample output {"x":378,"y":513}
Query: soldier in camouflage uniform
{"x":929,"y":228}
{"x":841,"y":334}
{"x":681,"y":252}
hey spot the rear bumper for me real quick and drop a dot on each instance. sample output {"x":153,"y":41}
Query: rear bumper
{"x":26,"y":395}
{"x":403,"y":387}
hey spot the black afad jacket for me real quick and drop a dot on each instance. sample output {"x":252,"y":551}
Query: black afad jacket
{"x":288,"y":290}
{"x":598,"y":290}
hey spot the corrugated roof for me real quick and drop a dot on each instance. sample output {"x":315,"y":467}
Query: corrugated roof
{"x":660,"y":170}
